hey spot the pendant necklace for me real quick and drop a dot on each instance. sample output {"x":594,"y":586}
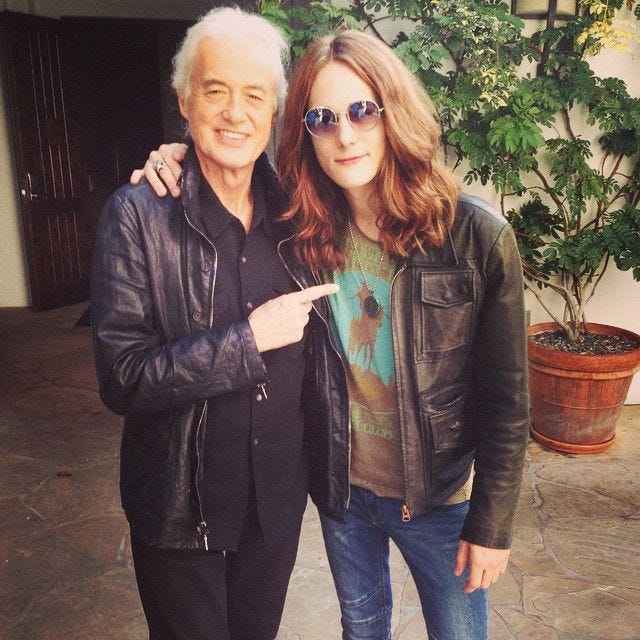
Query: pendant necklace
{"x":371,"y":304}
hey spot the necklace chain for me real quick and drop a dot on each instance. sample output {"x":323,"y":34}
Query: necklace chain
{"x":355,"y":248}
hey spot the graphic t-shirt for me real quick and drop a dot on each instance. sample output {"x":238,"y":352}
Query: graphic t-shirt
{"x":367,"y":349}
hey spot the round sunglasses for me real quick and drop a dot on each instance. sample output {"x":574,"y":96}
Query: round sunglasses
{"x":322,"y":122}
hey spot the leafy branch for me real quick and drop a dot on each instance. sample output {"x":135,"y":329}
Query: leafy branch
{"x":560,"y":145}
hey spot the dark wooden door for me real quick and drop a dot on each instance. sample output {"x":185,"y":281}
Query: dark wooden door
{"x":121,"y":92}
{"x":50,"y":162}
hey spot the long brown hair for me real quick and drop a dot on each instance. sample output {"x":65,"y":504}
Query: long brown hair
{"x":417,"y":191}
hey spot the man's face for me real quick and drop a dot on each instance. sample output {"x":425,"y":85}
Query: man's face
{"x":232,"y":104}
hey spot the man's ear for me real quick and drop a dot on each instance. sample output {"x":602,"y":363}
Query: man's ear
{"x":182,"y":103}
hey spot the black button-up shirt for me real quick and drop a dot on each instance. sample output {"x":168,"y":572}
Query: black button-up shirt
{"x":243,"y":444}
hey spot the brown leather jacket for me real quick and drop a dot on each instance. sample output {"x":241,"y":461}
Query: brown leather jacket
{"x":460,"y":354}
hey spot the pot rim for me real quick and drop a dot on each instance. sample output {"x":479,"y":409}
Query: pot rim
{"x":626,"y":361}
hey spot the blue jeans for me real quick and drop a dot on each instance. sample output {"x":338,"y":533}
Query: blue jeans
{"x":358,"y":552}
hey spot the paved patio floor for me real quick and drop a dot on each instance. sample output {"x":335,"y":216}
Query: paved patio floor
{"x":66,"y":573}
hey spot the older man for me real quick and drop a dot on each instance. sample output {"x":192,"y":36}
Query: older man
{"x":199,"y":337}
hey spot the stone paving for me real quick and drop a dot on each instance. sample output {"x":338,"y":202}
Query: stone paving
{"x":66,"y":569}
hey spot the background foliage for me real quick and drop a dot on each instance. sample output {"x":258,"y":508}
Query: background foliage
{"x":514,"y":110}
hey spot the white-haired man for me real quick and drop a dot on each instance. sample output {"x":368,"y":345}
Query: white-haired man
{"x":199,"y":338}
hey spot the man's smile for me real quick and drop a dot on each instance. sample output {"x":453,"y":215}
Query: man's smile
{"x":232,"y":135}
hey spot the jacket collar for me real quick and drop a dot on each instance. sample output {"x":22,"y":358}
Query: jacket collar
{"x":445,"y":256}
{"x":275,"y":197}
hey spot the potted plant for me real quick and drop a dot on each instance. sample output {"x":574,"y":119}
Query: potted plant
{"x":561,"y":147}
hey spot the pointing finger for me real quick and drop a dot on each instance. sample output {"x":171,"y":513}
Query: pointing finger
{"x":313,"y":293}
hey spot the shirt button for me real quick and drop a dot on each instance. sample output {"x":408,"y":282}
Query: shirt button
{"x":255,"y":442}
{"x":259,"y":397}
{"x":197,"y":315}
{"x":243,"y":260}
{"x":249,"y":305}
{"x":205,"y":265}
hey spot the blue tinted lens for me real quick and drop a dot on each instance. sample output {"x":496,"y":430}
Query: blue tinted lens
{"x":320,"y":121}
{"x":363,"y":114}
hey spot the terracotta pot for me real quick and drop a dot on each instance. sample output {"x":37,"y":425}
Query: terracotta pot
{"x":576,"y":399}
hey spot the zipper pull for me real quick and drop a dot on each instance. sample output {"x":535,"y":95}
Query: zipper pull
{"x":262,"y":386}
{"x":406,"y":514}
{"x":203,"y":530}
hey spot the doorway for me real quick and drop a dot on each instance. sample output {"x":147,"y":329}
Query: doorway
{"x":89,"y":98}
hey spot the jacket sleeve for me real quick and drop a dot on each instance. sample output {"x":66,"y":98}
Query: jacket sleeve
{"x":501,"y":399}
{"x":143,"y":362}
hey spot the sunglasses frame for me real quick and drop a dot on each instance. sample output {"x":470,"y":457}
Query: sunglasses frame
{"x":334,"y":123}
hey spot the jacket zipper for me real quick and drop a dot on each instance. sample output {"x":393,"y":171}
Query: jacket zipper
{"x":335,"y":350}
{"x":201,"y":527}
{"x":405,"y":512}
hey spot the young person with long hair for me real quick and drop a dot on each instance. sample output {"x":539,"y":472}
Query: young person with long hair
{"x":416,"y":389}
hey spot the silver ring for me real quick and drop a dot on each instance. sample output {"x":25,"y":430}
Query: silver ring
{"x":157,"y":165}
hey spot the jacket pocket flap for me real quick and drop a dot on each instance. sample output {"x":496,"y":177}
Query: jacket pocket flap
{"x":446,"y":288}
{"x":448,"y":429}
{"x":445,"y":411}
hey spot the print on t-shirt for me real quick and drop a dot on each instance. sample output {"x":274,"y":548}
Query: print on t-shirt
{"x":366,"y":343}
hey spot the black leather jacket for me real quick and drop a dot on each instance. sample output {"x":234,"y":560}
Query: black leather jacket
{"x":460,"y":356}
{"x":157,"y":358}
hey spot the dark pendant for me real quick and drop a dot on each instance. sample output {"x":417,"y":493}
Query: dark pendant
{"x":372,"y":306}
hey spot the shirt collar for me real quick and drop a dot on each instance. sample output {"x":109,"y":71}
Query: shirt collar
{"x":218,"y":216}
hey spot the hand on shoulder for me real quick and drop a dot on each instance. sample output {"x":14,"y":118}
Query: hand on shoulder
{"x":163,"y":169}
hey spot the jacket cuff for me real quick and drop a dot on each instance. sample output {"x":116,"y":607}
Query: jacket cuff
{"x":486,"y":536}
{"x":253,"y":362}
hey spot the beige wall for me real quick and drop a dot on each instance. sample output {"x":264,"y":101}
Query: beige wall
{"x":14,"y":288}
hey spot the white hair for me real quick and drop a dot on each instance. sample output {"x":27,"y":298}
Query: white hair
{"x":231,"y":22}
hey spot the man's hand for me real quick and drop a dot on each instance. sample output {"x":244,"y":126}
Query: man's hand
{"x":281,"y":321}
{"x":163,"y":169}
{"x":485,"y":565}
